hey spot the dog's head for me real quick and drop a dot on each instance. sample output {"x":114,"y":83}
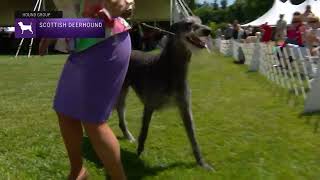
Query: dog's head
{"x":20,"y":23}
{"x":192,"y":32}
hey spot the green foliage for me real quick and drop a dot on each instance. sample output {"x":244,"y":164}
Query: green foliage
{"x":208,"y":14}
{"x":215,"y":5}
{"x":242,"y":10}
{"x":223,"y":4}
{"x":191,"y":4}
{"x":250,"y":9}
{"x":214,"y":26}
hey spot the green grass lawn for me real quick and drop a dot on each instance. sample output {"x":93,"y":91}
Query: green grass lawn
{"x":246,"y":126}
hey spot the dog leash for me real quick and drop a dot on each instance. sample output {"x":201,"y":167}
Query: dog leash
{"x":159,"y":29}
{"x":208,"y":47}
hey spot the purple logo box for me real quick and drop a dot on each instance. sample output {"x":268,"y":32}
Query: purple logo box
{"x":25,"y":28}
{"x":61,"y":28}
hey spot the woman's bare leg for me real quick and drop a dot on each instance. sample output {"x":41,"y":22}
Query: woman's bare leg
{"x":72,"y":134}
{"x":107,"y":148}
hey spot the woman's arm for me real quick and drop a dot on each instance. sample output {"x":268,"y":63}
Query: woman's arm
{"x":43,"y":46}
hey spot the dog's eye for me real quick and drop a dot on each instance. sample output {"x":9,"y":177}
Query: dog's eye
{"x":189,"y":24}
{"x":195,"y":27}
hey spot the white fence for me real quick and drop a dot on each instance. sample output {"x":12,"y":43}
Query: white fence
{"x":292,"y":68}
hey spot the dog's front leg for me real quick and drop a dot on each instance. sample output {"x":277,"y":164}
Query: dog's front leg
{"x":186,"y":115}
{"x":147,"y":114}
{"x":121,"y":114}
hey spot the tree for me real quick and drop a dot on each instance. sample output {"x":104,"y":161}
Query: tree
{"x":215,"y":5}
{"x":224,"y":4}
{"x":191,"y":4}
{"x":205,"y":13}
{"x":251,"y":9}
{"x":242,"y":10}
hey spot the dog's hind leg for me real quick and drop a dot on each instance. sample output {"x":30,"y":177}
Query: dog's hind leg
{"x":147,"y":114}
{"x":121,"y":114}
{"x":186,"y":115}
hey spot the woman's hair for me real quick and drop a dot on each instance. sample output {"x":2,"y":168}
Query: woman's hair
{"x":312,"y":19}
{"x":297,"y":13}
{"x":296,"y":17}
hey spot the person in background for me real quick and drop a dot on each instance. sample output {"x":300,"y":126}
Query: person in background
{"x":267,"y":32}
{"x":281,"y":29}
{"x":295,"y":30}
{"x":307,"y":13}
{"x":228,"y":32}
{"x":241,"y":34}
{"x":312,"y":35}
{"x":236,"y":28}
{"x":218,"y":33}
{"x":249,"y":31}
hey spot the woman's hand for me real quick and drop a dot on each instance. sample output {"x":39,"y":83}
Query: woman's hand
{"x":116,"y":7}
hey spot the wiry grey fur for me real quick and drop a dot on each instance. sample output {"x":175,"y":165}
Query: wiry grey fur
{"x":162,"y":78}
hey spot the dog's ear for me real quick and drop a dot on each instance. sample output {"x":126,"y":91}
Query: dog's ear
{"x":181,"y":26}
{"x":193,"y":19}
{"x":174,"y":27}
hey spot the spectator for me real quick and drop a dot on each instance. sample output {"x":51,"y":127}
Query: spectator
{"x":307,"y":13}
{"x":236,"y":28}
{"x":312,"y":36}
{"x":281,"y":29}
{"x":228,"y":32}
{"x":247,"y":31}
{"x":267,"y":32}
{"x":296,"y":30}
{"x":241,"y":34}
{"x":218,"y":33}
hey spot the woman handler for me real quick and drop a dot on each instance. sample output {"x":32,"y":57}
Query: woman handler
{"x":87,"y":90}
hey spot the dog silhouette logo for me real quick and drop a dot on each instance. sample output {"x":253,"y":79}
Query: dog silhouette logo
{"x":25,"y":27}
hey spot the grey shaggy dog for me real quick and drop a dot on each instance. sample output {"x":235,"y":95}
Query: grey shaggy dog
{"x":159,"y":79}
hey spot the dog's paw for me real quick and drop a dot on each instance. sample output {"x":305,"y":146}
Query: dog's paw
{"x":140,"y":150}
{"x":130,"y":138}
{"x":207,"y":166}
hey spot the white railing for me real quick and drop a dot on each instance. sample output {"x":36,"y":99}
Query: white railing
{"x":293,"y":68}
{"x":226,"y":47}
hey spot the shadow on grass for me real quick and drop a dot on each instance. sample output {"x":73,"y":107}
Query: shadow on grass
{"x":286,"y":95}
{"x":134,"y":167}
{"x":309,"y":117}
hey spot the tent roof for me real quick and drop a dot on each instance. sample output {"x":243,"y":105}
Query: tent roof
{"x":287,"y":8}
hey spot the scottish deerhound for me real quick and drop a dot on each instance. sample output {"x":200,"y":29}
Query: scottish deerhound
{"x":162,"y":78}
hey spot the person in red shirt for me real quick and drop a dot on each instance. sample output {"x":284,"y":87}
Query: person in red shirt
{"x":267,"y":32}
{"x":296,"y":31}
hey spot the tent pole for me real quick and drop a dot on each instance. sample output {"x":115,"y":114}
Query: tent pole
{"x":171,"y":12}
{"x":21,"y":41}
{"x":187,"y":7}
{"x":184,"y":9}
{"x":44,"y":5}
{"x":19,"y":47}
{"x":31,"y":43}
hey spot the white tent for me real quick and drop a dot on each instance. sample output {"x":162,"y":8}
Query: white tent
{"x":287,"y":8}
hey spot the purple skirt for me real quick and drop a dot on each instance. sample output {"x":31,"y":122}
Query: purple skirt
{"x":91,"y":80}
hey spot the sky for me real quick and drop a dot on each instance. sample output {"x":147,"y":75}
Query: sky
{"x":229,"y":1}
